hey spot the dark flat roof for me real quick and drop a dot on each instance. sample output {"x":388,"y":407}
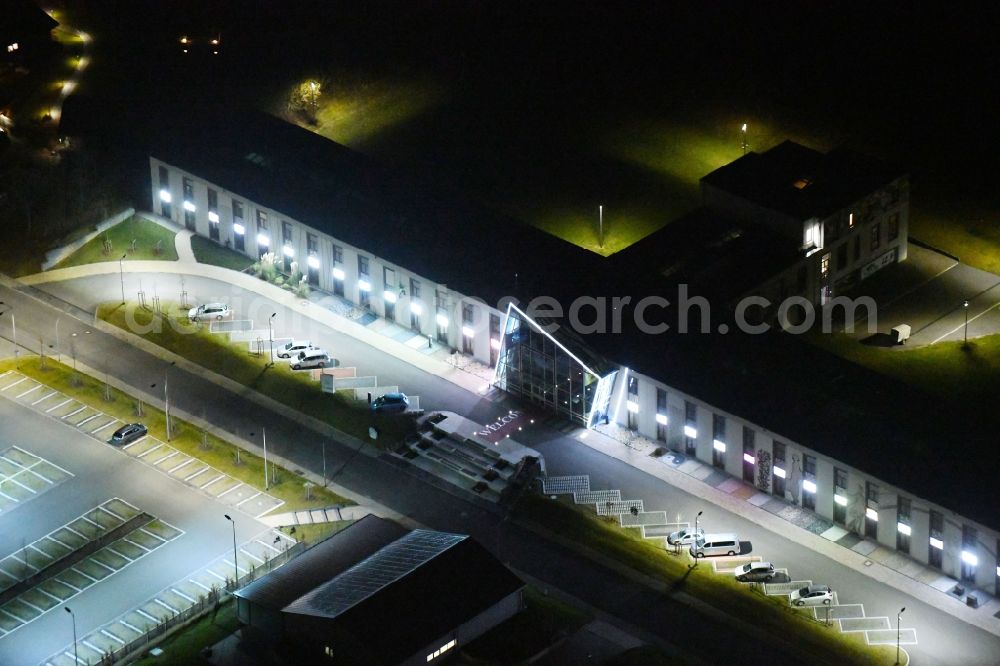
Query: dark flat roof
{"x":802,"y":182}
{"x":351,"y":197}
{"x":23,"y":19}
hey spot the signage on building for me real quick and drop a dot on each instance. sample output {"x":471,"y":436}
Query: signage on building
{"x":880,"y":263}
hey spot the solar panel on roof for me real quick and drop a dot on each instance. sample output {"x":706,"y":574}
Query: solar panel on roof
{"x":376,"y":571}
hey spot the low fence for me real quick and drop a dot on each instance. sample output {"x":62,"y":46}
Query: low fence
{"x":53,"y":257}
{"x":209,"y":602}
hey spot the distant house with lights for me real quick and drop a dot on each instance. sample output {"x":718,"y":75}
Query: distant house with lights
{"x":24,"y":27}
{"x":376,"y":593}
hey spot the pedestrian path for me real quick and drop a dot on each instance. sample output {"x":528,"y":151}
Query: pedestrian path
{"x":330,"y":514}
{"x":185,"y":468}
{"x":263,"y":551}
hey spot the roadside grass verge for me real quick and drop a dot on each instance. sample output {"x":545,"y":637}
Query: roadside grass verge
{"x":151,"y":242}
{"x":215,"y":352}
{"x":210,"y":252}
{"x":184,"y":648}
{"x":770,"y":614}
{"x":543,"y":621}
{"x":965,"y":229}
{"x":186,"y":437}
{"x":316,"y":532}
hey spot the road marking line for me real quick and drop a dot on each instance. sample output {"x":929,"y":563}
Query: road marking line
{"x":14,"y":384}
{"x":181,"y":594}
{"x":165,"y":605}
{"x":132,"y":627}
{"x":211,"y":482}
{"x":237,"y":566}
{"x":186,"y":462}
{"x":74,"y":413}
{"x":31,"y":390}
{"x":11,"y":478}
{"x":204,"y":587}
{"x":44,"y":399}
{"x":191,"y":476}
{"x":238,"y":485}
{"x":121,"y":555}
{"x":960,"y":326}
{"x":28,"y":603}
{"x":264,"y":543}
{"x":137,"y":545}
{"x":92,"y":646}
{"x":100,"y":428}
{"x":222,"y":578}
{"x":87,"y":420}
{"x":146,"y":453}
{"x":248,"y":553}
{"x":146,"y":615}
{"x":3,"y":494}
{"x":155,"y":536}
{"x":84,"y":574}
{"x":166,"y":457}
{"x":247,"y":499}
{"x":91,"y":559}
{"x":59,"y":405}
{"x":12,"y":616}
{"x":112,"y":636}
{"x":269,"y":510}
{"x":78,"y":589}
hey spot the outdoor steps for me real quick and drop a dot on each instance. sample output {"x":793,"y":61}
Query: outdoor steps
{"x":597,"y":496}
{"x":565,"y":485}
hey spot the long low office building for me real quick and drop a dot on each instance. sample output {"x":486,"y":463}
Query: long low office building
{"x":467,"y":279}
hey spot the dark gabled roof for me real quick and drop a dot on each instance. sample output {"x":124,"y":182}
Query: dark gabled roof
{"x":23,"y":19}
{"x":321,"y":563}
{"x":351,"y":197}
{"x":434,"y":597}
{"x":801,"y":182}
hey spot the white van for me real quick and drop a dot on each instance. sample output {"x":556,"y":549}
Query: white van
{"x":715,"y":544}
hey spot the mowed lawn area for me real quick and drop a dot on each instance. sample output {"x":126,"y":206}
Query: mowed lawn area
{"x":296,"y":389}
{"x":210,"y":252}
{"x":959,"y":228}
{"x":150,"y":240}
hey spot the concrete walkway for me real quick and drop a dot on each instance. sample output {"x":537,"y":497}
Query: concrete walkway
{"x":182,"y":243}
{"x":329,"y":514}
{"x":692,"y":478}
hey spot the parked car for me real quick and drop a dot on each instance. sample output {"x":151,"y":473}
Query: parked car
{"x":128,"y":433}
{"x":311,"y":358}
{"x":290,"y":349}
{"x":391,"y":403}
{"x":812,"y":595}
{"x":755,"y":572}
{"x":683,"y":537}
{"x":207,"y":311}
{"x":708,"y":545}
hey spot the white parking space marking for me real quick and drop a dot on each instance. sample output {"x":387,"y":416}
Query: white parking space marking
{"x":59,"y":405}
{"x":9,"y":386}
{"x":43,"y":399}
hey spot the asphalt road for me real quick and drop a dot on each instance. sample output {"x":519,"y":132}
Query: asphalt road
{"x":942,"y":638}
{"x":101,"y":473}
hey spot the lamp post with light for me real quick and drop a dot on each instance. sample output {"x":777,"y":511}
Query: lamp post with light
{"x":76,"y":659}
{"x":270,"y":339}
{"x":696,"y":536}
{"x":13,"y":324}
{"x":897,"y":632}
{"x":236,"y":568}
{"x":965,"y":304}
{"x":121,"y":275}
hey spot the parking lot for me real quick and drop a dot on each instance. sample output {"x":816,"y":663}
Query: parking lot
{"x":63,"y":485}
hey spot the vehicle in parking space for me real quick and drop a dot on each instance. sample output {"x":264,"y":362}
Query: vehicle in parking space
{"x":682,"y":537}
{"x":207,"y":311}
{"x":755,"y":572}
{"x":812,"y":595}
{"x":290,"y":349}
{"x":128,"y":433}
{"x":391,"y":403}
{"x":709,"y":545}
{"x":310,"y":358}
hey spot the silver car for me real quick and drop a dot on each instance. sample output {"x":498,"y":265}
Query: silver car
{"x":311,"y":358}
{"x":683,"y":537}
{"x":293,"y":348}
{"x":812,"y":595}
{"x":207,"y":311}
{"x":755,"y":572}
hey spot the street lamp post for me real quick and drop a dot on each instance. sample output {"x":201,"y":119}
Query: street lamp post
{"x":121,"y":275}
{"x":965,"y":304}
{"x":263,"y":434}
{"x":236,"y":567}
{"x":600,"y":222}
{"x":58,"y":354}
{"x":696,"y":536}
{"x":743,"y":138}
{"x":76,"y":659}
{"x":13,"y":324}
{"x":897,"y":632}
{"x":270,"y":338}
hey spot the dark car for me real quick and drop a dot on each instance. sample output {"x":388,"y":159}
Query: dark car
{"x":128,"y":433}
{"x":391,"y":403}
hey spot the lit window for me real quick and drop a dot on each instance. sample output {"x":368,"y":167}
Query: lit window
{"x":969,"y":558}
{"x":661,"y":419}
{"x":165,"y":196}
{"x":903,"y":529}
{"x":189,"y":207}
{"x":468,"y":331}
{"x":690,"y":431}
{"x":749,"y":458}
{"x":719,"y":446}
{"x":416,"y":308}
{"x":937,"y":543}
{"x":288,"y":251}
{"x":779,"y":472}
{"x":313,"y":261}
{"x":494,"y":343}
{"x":632,"y":406}
{"x":441,"y":650}
{"x":364,"y":285}
{"x":441,"y":319}
{"x":213,"y":216}
{"x":871,"y":514}
{"x":338,"y":273}
{"x":239,"y":229}
{"x":850,"y":220}
{"x":802,"y":183}
{"x":263,"y":240}
{"x":840,"y":499}
{"x":389,"y":296}
{"x":808,"y":486}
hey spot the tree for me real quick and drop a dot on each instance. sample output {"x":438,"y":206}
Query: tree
{"x":305,"y":99}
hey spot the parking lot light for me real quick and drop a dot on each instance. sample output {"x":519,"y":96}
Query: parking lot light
{"x":696,"y":535}
{"x":897,"y":632}
{"x":76,"y":659}
{"x":236,"y":568}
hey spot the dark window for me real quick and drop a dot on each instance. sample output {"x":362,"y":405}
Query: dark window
{"x":893,"y":227}
{"x":494,"y":338}
{"x":876,"y":236}
{"x":840,"y":495}
{"x":363,"y":266}
{"x":164,"y":177}
{"x":338,"y":254}
{"x":778,"y":470}
{"x":468,"y":315}
{"x":749,"y":453}
{"x":442,"y":319}
{"x":189,"y":220}
{"x":969,"y":545}
{"x":935,"y":547}
{"x":213,"y":200}
{"x":842,"y":257}
{"x":188,"y":189}
{"x":632,"y":406}
{"x":871,"y":510}
{"x":690,"y":426}
{"x":661,"y":415}
{"x":800,"y":281}
{"x":903,"y":525}
{"x":809,"y":482}
{"x":415,"y":305}
{"x":857,"y":248}
{"x":718,"y":440}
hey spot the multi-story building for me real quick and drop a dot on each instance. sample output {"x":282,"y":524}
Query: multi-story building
{"x":463,"y":277}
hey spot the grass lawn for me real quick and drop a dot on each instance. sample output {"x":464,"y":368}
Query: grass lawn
{"x":146,"y":235}
{"x":184,"y":648}
{"x":770,"y":614}
{"x":186,"y":437}
{"x":959,"y":228}
{"x":967,"y":375}
{"x":295,"y":389}
{"x":316,"y":532}
{"x":210,"y":252}
{"x":543,"y":621}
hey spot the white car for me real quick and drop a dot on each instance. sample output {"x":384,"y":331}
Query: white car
{"x":311,"y":358}
{"x":216,"y":311}
{"x":754,"y":572}
{"x":293,"y":348}
{"x":683,"y":537}
{"x":812,"y":595}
